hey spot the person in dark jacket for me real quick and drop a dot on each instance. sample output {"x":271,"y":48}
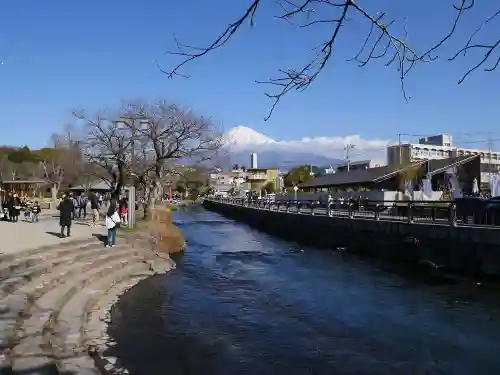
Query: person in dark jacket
{"x":66,"y":209}
{"x":15,"y":208}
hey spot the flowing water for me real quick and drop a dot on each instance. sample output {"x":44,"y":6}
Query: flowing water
{"x":242,"y":302}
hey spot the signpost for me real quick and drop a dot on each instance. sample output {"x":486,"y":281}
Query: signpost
{"x":131,"y":206}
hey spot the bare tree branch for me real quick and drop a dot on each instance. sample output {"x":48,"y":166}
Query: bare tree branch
{"x":168,"y":135}
{"x":381,"y":42}
{"x":144,"y":143}
{"x":107,"y":145}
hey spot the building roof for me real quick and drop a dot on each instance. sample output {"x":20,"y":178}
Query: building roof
{"x":99,"y":185}
{"x":379,"y":174}
{"x":353,"y":177}
{"x":261,"y":169}
{"x":358,"y":162}
{"x":436,"y":166}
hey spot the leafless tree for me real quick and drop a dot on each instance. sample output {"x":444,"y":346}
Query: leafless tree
{"x":61,"y":162}
{"x":106,"y":145}
{"x":381,"y":42}
{"x":144,"y":143}
{"x":167,"y":136}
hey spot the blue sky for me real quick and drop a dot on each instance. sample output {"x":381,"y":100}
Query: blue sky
{"x":62,"y":55}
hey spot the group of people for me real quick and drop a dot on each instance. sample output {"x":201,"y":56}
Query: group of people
{"x":72,"y":207}
{"x":13,"y":205}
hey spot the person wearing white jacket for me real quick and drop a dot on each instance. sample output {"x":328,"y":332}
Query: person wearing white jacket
{"x":112,"y":223}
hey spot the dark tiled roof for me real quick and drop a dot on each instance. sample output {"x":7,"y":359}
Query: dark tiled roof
{"x":355,"y":176}
{"x":378,"y":174}
{"x":440,"y":165}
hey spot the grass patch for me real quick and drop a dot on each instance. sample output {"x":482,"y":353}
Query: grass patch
{"x":170,"y":238}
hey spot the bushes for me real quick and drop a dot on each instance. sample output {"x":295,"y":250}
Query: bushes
{"x":169,"y":238}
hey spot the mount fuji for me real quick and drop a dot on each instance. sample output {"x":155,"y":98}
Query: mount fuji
{"x":240,"y":141}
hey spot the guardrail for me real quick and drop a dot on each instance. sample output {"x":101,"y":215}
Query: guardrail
{"x":438,"y":212}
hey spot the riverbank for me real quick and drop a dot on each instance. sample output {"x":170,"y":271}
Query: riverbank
{"x":56,"y":291}
{"x":163,"y":238}
{"x":99,"y":344}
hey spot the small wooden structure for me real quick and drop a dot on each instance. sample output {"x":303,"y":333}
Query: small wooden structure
{"x":23,"y":188}
{"x":102,"y":187}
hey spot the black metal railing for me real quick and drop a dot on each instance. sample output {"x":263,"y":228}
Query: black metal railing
{"x":438,"y":212}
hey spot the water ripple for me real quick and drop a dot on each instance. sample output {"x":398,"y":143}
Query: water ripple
{"x":243,"y":302}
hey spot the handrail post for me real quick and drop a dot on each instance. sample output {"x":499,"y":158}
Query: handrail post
{"x":410,"y":212}
{"x":377,"y":212}
{"x":452,"y":214}
{"x":312,"y":209}
{"x":351,"y":211}
{"x":433,"y":214}
{"x":298,"y":207}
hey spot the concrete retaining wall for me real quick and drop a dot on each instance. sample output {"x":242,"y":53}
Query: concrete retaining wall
{"x":470,"y":251}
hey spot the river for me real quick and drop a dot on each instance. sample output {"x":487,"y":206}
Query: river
{"x":242,"y":302}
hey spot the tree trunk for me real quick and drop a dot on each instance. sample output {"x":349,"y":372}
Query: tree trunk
{"x":54,"y":189}
{"x":148,"y":204}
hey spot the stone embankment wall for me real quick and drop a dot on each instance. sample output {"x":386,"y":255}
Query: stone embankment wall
{"x":55,"y":299}
{"x":462,"y":250}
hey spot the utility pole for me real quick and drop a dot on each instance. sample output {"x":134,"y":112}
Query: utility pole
{"x":490,"y":148}
{"x":348,"y":147}
{"x":400,"y":161}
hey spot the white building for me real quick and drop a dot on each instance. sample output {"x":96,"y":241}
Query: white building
{"x":225,"y":181}
{"x":253,"y":160}
{"x":352,"y":166}
{"x":441,"y":147}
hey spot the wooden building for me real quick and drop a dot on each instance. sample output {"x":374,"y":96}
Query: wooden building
{"x":24,"y":188}
{"x":392,"y":178}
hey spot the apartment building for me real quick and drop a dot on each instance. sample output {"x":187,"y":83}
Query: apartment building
{"x":441,"y":147}
{"x":222,"y":182}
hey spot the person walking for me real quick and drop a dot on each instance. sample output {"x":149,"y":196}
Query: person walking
{"x":112,"y":223}
{"x":75,"y":205}
{"x":123,"y":208}
{"x":65,"y":214}
{"x":36,"y":210}
{"x":15,"y":208}
{"x":94,"y":206}
{"x":82,"y":205}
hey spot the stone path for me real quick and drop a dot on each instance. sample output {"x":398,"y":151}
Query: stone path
{"x":55,"y":294}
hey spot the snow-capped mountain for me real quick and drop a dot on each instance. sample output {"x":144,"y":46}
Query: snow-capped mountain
{"x":242,"y":136}
{"x":240,"y":141}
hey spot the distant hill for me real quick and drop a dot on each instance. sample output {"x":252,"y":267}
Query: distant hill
{"x":282,"y":160}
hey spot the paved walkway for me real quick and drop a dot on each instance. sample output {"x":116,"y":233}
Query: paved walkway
{"x":55,"y":295}
{"x":24,"y":235}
